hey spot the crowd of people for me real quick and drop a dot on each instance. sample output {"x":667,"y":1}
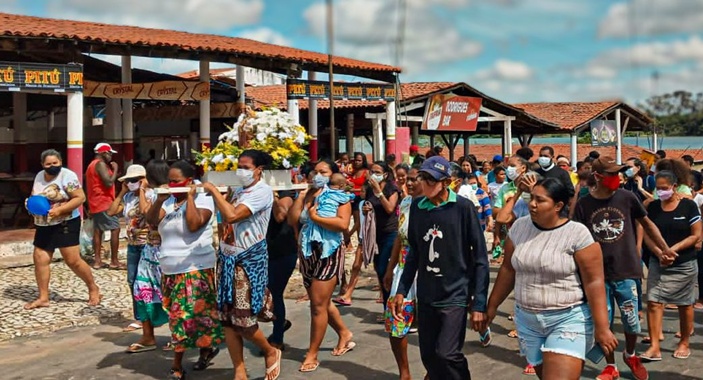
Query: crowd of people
{"x":571,"y":246}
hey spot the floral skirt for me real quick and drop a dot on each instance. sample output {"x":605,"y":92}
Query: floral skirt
{"x":191,"y":301}
{"x":396,"y":328}
{"x":239,"y":315}
{"x":148,"y":299}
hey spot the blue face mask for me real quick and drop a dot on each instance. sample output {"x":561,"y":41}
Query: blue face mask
{"x":319,"y":181}
{"x":630,"y":172}
{"x":474,"y":186}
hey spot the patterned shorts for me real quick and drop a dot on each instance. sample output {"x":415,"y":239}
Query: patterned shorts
{"x":399,"y":329}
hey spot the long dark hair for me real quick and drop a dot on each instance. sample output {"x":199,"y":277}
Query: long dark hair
{"x":260,"y":158}
{"x":364,"y":162}
{"x":157,"y":173}
{"x":390,"y":176}
{"x":558,"y":192}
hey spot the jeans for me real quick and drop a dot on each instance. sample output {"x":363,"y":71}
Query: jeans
{"x":624,"y":293}
{"x":280,"y":270}
{"x":134,"y":254}
{"x":442,"y":331}
{"x":380,"y":262}
{"x":565,"y":332}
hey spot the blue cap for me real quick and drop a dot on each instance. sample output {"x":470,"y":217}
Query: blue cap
{"x":437,"y":167}
{"x":498,"y":157}
{"x":38,"y":205}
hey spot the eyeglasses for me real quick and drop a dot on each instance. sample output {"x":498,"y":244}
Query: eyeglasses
{"x":133,"y":180}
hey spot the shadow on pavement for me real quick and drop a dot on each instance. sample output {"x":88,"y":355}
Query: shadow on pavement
{"x":27,"y":293}
{"x":346,"y":368}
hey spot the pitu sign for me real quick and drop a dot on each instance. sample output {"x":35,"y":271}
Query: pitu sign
{"x":17,"y":76}
{"x":303,"y":89}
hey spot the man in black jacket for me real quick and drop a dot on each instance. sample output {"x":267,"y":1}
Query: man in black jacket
{"x":448,"y":254}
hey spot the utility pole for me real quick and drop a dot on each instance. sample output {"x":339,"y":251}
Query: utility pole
{"x":330,"y":49}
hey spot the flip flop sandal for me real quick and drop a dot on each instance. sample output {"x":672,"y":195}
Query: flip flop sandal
{"x":512,"y":334}
{"x":341,"y":302}
{"x":132,"y":327}
{"x":117,"y":267}
{"x":287,"y":325}
{"x":678,"y":334}
{"x":683,"y":356}
{"x":485,"y":338}
{"x":309,"y":367}
{"x":176,"y":374}
{"x":529,"y":371}
{"x":99,"y":267}
{"x":648,"y":358}
{"x":275,"y":366}
{"x":204,"y":362}
{"x":348,"y":347}
{"x":136,"y":348}
{"x":167,"y":347}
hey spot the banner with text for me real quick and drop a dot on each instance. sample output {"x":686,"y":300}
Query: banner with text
{"x":448,"y":112}
{"x":17,"y":76}
{"x":304,"y":89}
{"x":166,"y":90}
{"x":603,"y":133}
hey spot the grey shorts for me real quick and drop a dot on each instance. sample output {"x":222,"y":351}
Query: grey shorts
{"x":104,"y":222}
{"x":672,"y":285}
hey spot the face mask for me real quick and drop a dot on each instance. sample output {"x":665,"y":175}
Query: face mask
{"x":133,"y":186}
{"x":612,"y":183}
{"x":527,"y":197}
{"x":246,"y":175}
{"x":511,"y":172}
{"x":474,"y":186}
{"x":319,"y":181}
{"x":630,"y":173}
{"x":377,"y":177}
{"x":665,"y":194}
{"x":178,"y":184}
{"x":53,"y":170}
{"x":544,"y":162}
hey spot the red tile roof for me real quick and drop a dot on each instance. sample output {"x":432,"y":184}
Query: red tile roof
{"x":195,"y":74}
{"x":578,"y":114}
{"x":92,"y":33}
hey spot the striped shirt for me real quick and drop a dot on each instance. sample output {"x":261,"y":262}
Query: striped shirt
{"x":546,"y":276}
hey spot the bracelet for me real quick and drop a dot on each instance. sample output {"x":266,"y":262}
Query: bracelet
{"x":379,"y":195}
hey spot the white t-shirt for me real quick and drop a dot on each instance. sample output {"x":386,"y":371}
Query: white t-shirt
{"x":56,"y":191}
{"x":546,"y":275}
{"x":467,"y":192}
{"x":183,"y":251}
{"x":238,"y":237}
{"x":699,"y":200}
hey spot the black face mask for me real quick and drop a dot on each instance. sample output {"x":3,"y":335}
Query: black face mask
{"x":53,"y":170}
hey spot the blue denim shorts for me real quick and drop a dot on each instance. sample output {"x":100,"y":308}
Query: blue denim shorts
{"x":624,"y":294}
{"x":565,"y":332}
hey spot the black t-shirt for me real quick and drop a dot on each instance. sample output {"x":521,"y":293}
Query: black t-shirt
{"x":632,"y":187}
{"x":613,"y":223}
{"x":280,"y":237}
{"x":385,"y":222}
{"x":676,"y":225}
{"x":558,"y":174}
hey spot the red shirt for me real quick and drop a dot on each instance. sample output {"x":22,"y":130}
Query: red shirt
{"x":99,"y":196}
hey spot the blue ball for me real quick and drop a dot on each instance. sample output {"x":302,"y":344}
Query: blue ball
{"x":38,"y":205}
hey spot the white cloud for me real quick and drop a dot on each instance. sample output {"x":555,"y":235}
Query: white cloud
{"x":651,"y":18}
{"x":192,"y":15}
{"x":368,"y":29}
{"x":267,"y":35}
{"x":652,"y":54}
{"x":504,"y":69}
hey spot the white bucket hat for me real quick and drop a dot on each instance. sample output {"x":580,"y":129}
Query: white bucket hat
{"x":133,"y":171}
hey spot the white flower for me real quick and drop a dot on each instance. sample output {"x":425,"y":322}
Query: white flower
{"x":218,"y":158}
{"x":285,"y":163}
{"x":299,"y":138}
{"x":261,"y":137}
{"x":283,"y":135}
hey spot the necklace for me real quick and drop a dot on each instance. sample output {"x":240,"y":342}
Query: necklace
{"x":177,"y":205}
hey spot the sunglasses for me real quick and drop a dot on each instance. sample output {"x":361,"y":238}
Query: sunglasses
{"x":133,"y":180}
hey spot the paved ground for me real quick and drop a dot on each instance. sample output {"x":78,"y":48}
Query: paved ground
{"x":96,"y":351}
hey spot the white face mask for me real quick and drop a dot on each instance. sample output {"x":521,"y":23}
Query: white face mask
{"x":133,"y":186}
{"x":246,"y":175}
{"x":544,"y":162}
{"x":377,"y":177}
{"x":319,"y":181}
{"x":511,"y":172}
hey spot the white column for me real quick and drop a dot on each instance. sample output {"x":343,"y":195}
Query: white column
{"x":74,"y":133}
{"x":241,"y":85}
{"x":574,"y":149}
{"x":293,"y":110}
{"x":618,"y":136}
{"x":508,"y":138}
{"x":205,"y":106}
{"x":312,"y":122}
{"x":112,"y":127}
{"x":127,"y":121}
{"x":655,"y":143}
{"x":390,"y":128}
{"x":350,"y":134}
{"x":377,"y":139}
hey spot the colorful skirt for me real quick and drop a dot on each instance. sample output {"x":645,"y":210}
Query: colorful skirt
{"x":148,"y":299}
{"x":191,"y":301}
{"x":239,"y":315}
{"x":396,"y":328}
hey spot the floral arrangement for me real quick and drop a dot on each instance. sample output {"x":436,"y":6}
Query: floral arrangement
{"x":271,"y":130}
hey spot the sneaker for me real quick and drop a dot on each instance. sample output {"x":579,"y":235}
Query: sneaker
{"x":609,"y":373}
{"x":635,"y":364}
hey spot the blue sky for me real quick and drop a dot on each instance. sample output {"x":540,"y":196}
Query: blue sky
{"x":514,"y":50}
